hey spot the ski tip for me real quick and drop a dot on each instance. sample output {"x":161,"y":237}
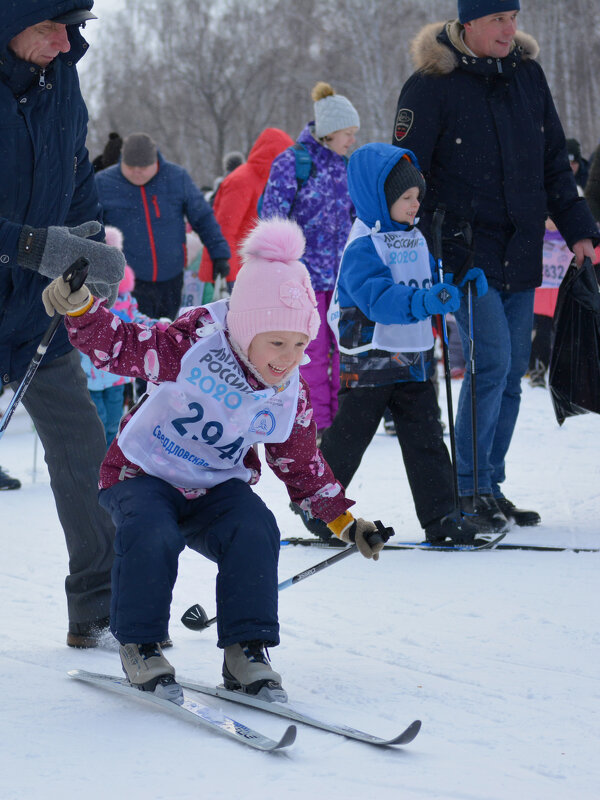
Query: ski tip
{"x":288,"y":738}
{"x":74,"y":673}
{"x":410,"y":733}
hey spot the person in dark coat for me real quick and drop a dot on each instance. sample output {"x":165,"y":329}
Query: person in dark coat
{"x":579,"y":164}
{"x":149,"y":198}
{"x":111,"y":153}
{"x":592,"y":186}
{"x":47,"y":188}
{"x":479,"y":116}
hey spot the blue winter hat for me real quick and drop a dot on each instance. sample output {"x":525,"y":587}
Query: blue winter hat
{"x":473,"y":9}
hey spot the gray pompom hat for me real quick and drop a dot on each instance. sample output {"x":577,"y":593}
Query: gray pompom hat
{"x":334,"y":113}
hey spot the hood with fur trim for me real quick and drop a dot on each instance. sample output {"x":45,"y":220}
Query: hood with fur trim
{"x":438,"y":49}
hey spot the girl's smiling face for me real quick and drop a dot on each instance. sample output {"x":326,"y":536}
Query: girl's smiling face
{"x":275,"y":354}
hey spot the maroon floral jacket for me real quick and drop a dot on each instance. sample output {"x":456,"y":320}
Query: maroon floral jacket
{"x":154,"y":354}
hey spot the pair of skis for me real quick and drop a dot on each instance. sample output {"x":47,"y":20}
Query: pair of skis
{"x":487,"y":544}
{"x":214,"y":720}
{"x":493,"y":544}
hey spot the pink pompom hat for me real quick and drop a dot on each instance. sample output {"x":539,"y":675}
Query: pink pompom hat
{"x":272,"y":291}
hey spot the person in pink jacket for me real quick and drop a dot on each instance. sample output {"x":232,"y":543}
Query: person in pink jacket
{"x":181,"y":468}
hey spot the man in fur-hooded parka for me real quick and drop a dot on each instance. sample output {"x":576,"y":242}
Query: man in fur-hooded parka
{"x":479,"y":116}
{"x":492,"y":150}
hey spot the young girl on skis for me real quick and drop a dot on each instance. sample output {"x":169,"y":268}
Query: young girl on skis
{"x":181,"y":468}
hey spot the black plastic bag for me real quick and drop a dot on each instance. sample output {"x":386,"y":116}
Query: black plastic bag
{"x":575,"y":360}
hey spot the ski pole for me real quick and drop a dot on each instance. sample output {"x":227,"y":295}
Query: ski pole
{"x":468,"y":236}
{"x":75,"y":276}
{"x":436,"y":239}
{"x":196,"y":618}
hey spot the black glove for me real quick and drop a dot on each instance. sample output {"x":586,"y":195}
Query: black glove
{"x":220,"y":268}
{"x":50,"y":251}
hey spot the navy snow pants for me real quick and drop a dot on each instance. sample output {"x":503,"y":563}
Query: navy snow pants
{"x":230,"y":525}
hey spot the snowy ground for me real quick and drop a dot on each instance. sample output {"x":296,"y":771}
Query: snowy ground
{"x":497,"y":652}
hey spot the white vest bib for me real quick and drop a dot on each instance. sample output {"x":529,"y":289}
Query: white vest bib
{"x":407,"y":256}
{"x":195,"y":431}
{"x":556,"y":260}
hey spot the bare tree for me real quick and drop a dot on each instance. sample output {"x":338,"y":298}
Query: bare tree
{"x":207,"y":76}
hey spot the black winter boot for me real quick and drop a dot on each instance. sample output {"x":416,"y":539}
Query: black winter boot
{"x":316,"y":526}
{"x":449,"y":530}
{"x":483,"y":512}
{"x":6,"y":482}
{"x":520,"y":516}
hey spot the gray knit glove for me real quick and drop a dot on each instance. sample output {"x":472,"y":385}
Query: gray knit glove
{"x":50,"y":251}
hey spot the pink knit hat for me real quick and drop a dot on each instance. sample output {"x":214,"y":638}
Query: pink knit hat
{"x":114,"y":237}
{"x":127,"y":281}
{"x":272,"y":291}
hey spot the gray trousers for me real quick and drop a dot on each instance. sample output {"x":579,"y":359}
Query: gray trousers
{"x":72,"y":435}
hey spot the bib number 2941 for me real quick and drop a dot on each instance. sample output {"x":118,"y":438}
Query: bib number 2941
{"x":211,"y":432}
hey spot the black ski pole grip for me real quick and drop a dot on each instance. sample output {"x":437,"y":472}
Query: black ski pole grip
{"x":76,"y":274}
{"x":380,"y":536}
{"x":436,"y":231}
{"x":386,"y":533}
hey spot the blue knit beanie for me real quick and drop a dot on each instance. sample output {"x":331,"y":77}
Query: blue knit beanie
{"x":473,"y":9}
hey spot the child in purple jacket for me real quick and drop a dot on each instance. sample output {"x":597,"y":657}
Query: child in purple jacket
{"x":323,"y":209}
{"x":181,"y":468}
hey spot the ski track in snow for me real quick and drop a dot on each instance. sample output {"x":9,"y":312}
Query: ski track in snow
{"x":497,"y":652}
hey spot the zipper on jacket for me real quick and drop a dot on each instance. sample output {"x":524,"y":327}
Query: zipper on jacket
{"x":155,"y":204}
{"x":150,"y":233}
{"x":42,"y":80}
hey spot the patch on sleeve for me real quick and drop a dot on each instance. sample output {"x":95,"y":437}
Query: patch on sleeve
{"x":404,"y":120}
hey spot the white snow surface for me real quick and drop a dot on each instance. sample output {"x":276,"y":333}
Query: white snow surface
{"x":496,"y":652}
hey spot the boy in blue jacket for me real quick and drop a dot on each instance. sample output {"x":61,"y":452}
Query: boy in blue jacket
{"x":381,"y":313}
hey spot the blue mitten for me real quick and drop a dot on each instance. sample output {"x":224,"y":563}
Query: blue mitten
{"x":475,"y":276}
{"x":440,"y":299}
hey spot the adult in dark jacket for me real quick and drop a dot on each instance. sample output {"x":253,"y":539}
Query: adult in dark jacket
{"x":480,"y":118}
{"x":149,"y":199}
{"x":47,"y":184}
{"x":592,"y":187}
